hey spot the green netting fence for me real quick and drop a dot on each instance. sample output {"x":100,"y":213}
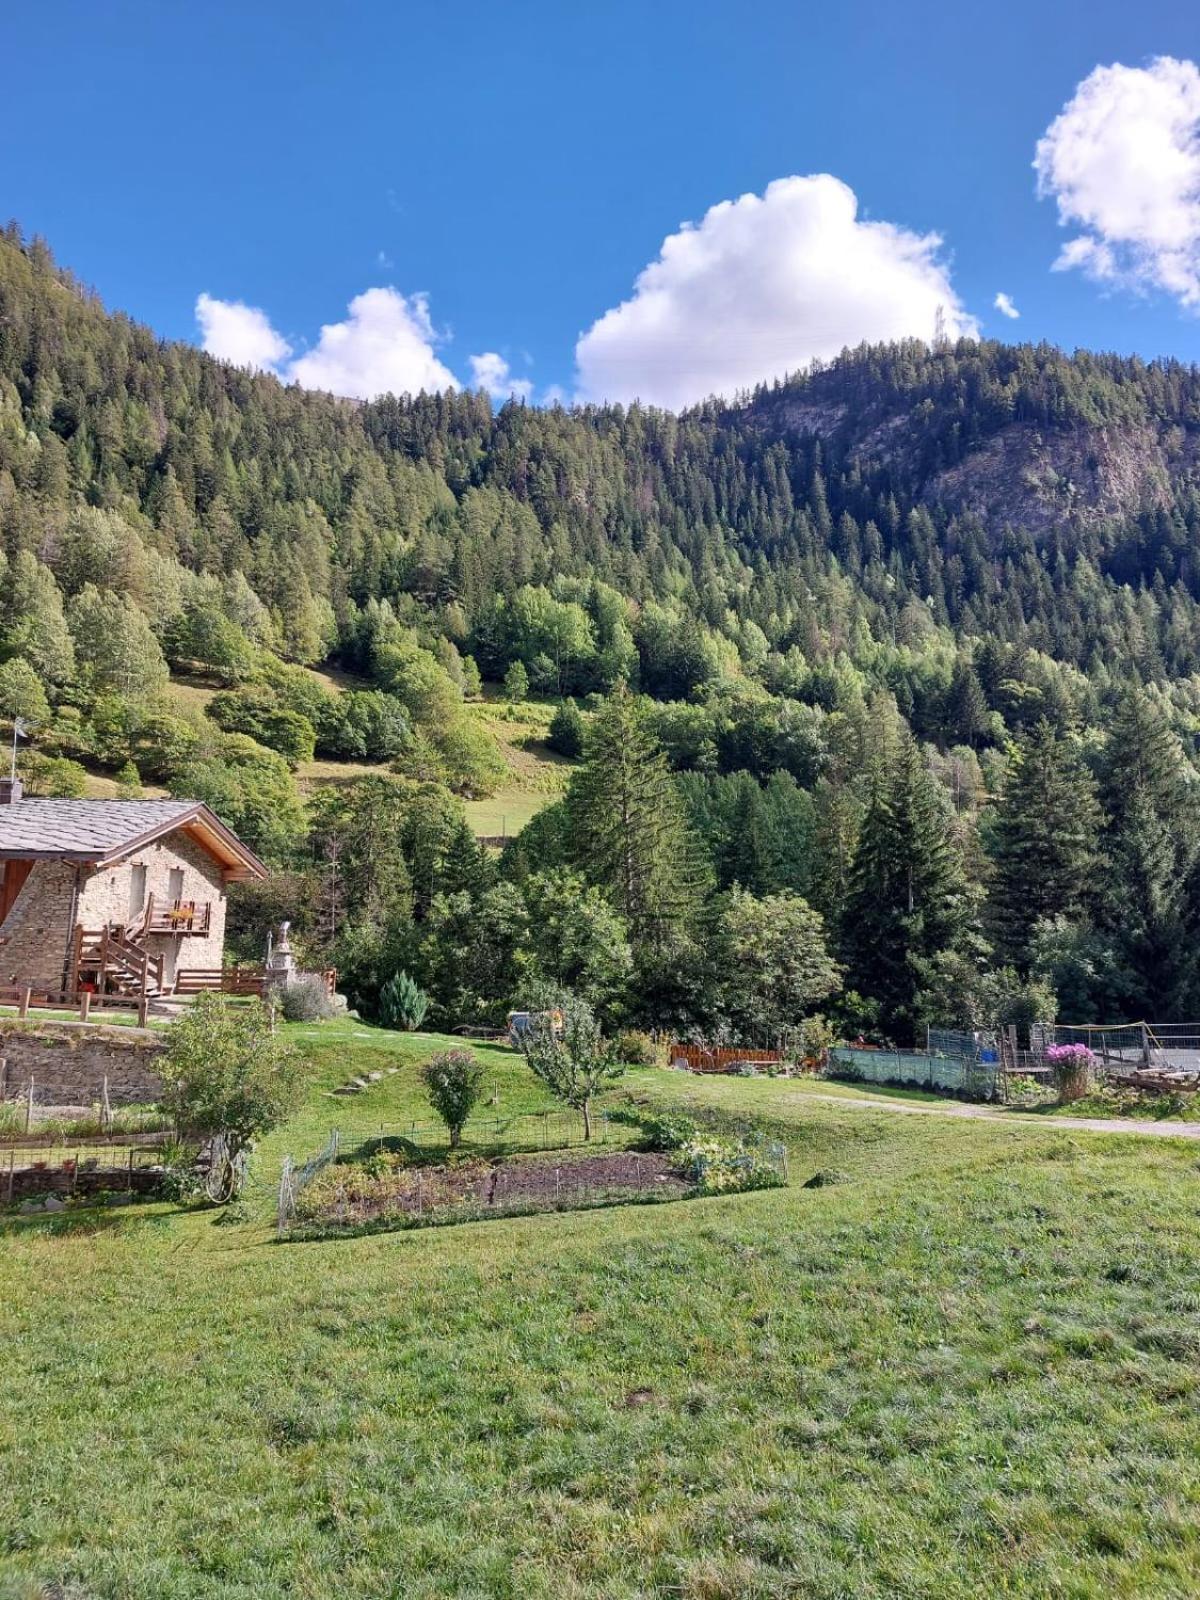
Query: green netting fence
{"x":952,"y":1074}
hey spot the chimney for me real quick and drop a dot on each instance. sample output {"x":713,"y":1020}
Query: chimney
{"x":11,"y":790}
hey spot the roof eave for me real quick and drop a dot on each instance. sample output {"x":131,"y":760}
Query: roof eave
{"x":239,"y":863}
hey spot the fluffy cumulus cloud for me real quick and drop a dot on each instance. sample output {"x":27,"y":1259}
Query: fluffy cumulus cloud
{"x":1122,"y":160}
{"x":241,"y":334}
{"x":1003,"y":304}
{"x":386,"y":344}
{"x":492,"y":373}
{"x":758,"y":288}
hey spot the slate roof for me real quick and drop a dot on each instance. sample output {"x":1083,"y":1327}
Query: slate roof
{"x":103,"y":831}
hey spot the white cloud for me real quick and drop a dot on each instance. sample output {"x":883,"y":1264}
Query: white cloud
{"x":1003,"y":304}
{"x":491,"y":372}
{"x":759,"y":287}
{"x":385,"y":346}
{"x":241,"y":334}
{"x":1122,"y":160}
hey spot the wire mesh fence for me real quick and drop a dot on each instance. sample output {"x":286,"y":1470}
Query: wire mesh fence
{"x":293,"y":1179}
{"x":522,"y":1130}
{"x":968,"y":1075}
{"x":1129,"y":1047}
{"x":76,"y":1168}
{"x":364,"y":1194}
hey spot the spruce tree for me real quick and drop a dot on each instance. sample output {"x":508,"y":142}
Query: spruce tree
{"x":907,"y":901}
{"x":628,"y":828}
{"x":1044,"y":841}
{"x":1151,"y":841}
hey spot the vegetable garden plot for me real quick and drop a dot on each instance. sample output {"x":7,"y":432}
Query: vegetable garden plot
{"x":352,"y":1194}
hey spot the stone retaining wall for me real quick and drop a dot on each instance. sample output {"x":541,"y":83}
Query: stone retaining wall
{"x":69,"y":1061}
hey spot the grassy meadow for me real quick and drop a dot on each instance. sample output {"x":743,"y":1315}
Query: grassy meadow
{"x":967,"y":1360}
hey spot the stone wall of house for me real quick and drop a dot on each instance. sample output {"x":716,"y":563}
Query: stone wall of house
{"x":105,"y":897}
{"x":34,"y":936}
{"x":68,"y":1062}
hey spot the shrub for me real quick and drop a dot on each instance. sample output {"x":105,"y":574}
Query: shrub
{"x":305,"y":999}
{"x":129,"y":782}
{"x":402,"y":1003}
{"x":670,"y":1132}
{"x":813,"y":1039}
{"x":453,"y":1083}
{"x":721,"y":1166}
{"x":516,"y":682}
{"x":639,"y":1049}
{"x":58,"y":777}
{"x":566,"y":730}
{"x":227,"y":1074}
{"x":1073,"y":1066}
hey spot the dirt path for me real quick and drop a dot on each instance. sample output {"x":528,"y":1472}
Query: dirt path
{"x":955,"y":1108}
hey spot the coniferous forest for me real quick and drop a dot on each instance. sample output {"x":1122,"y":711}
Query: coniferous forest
{"x":881,"y":685}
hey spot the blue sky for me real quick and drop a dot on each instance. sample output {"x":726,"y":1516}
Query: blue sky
{"x":520,"y":164}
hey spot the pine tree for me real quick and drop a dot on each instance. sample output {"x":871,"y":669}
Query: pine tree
{"x":1044,"y":840}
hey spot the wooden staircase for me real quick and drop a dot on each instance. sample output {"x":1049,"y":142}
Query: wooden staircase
{"x":111,"y":960}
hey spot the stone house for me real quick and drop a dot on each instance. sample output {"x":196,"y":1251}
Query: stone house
{"x":112,"y":895}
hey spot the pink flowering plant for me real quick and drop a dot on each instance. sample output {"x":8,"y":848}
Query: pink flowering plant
{"x":1074,"y":1066}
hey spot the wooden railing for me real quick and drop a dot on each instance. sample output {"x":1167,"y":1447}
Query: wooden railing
{"x":106,"y":955}
{"x":233,"y":980}
{"x":26,"y":998}
{"x":175,"y":916}
{"x":707,"y":1058}
{"x":221,"y":980}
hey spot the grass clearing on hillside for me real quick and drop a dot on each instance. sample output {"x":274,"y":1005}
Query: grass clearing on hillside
{"x":972,"y":1364}
{"x":536,"y":775}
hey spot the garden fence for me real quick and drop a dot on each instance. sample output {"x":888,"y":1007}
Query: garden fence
{"x":294,"y":1179}
{"x":955,"y":1074}
{"x":1128,"y":1047}
{"x":525,"y":1130}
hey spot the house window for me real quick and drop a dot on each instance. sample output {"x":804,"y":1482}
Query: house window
{"x":175,"y":884}
{"x":137,"y":891}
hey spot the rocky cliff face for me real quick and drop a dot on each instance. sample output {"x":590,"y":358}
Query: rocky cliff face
{"x":1022,"y":475}
{"x":1040,"y":481}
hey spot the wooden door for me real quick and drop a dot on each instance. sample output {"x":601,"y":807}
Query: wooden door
{"x":12,"y":881}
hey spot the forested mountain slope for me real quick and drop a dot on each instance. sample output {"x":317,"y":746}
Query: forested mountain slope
{"x":856,"y":607}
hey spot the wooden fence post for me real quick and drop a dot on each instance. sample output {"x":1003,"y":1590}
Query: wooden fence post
{"x":23,"y":1004}
{"x":29,"y":1105}
{"x":85,"y":1005}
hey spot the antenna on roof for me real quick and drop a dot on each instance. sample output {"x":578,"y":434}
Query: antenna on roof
{"x":19,"y":726}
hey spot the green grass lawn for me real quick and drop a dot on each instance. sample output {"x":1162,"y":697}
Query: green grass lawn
{"x":971,"y":1366}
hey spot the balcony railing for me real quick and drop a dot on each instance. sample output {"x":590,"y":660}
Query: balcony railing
{"x":177,"y":916}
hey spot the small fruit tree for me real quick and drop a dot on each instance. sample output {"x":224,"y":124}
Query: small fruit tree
{"x":573,"y":1059}
{"x":453,"y":1083}
{"x":226,"y":1075}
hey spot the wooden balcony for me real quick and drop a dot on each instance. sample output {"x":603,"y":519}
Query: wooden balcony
{"x":176,"y":916}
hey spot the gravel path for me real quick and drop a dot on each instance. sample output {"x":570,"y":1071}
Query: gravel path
{"x":953,"y":1108}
